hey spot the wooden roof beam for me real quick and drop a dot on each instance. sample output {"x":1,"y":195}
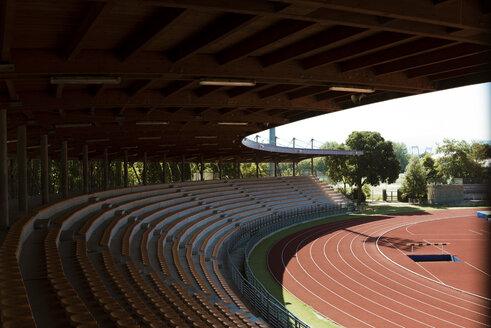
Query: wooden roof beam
{"x":206,"y":89}
{"x":277,"y":89}
{"x":7,"y":15}
{"x":357,"y":48}
{"x":261,"y":39}
{"x":150,"y":30}
{"x":175,"y":87}
{"x":314,"y":42}
{"x":306,"y":91}
{"x":139,"y":86}
{"x":460,"y":72}
{"x":95,"y":12}
{"x":401,"y":51}
{"x":448,"y":53}
{"x":442,"y":67}
{"x":214,"y":32}
{"x":237,"y":91}
{"x":11,"y":89}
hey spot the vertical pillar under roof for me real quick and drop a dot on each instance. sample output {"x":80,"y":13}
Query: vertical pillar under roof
{"x":257,"y":169}
{"x":182,"y":168}
{"x":201,"y":169}
{"x":312,"y":166}
{"x":4,"y":189}
{"x":237,"y":167}
{"x":293,"y":167}
{"x":125,"y":169}
{"x":64,"y":169}
{"x":106,"y":170}
{"x":220,"y":171}
{"x":85,"y":168}
{"x":144,"y":177}
{"x":118,"y":174}
{"x":275,"y":168}
{"x":44,"y":169}
{"x":22,"y":169}
{"x":164,"y":174}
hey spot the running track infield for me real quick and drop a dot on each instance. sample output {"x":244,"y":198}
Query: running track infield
{"x":356,"y":272}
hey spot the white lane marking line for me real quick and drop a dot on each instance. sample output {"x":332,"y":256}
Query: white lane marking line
{"x":454,"y":288}
{"x":303,"y":286}
{"x":407,"y":229}
{"x":487,"y":274}
{"x":475,"y":232}
{"x":402,"y":285}
{"x":422,"y":267}
{"x":346,"y":287}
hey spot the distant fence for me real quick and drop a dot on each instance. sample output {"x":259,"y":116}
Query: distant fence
{"x":272,"y":310}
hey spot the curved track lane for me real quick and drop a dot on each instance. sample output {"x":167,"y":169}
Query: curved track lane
{"x":356,"y":271}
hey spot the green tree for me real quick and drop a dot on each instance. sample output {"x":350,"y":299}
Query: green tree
{"x":456,"y":161}
{"x":480,"y":151}
{"x":400,"y":150}
{"x":432,"y":174}
{"x":414,"y":183}
{"x":377,"y":164}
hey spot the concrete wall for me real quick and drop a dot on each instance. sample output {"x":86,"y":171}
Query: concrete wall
{"x":445,"y":194}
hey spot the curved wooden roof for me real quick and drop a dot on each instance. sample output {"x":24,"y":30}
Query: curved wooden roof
{"x":160,"y":50}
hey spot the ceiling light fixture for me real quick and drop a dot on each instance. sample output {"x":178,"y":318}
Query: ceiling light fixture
{"x":233,"y":123}
{"x":152,"y":122}
{"x":85,"y":79}
{"x":227,"y":82}
{"x":73,"y":125}
{"x":351,"y":88}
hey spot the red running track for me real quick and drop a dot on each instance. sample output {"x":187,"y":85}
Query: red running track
{"x":356,"y":271}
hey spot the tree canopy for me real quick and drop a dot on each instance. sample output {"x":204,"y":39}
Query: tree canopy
{"x":378,"y":163}
{"x":400,"y":150}
{"x":457,"y":160}
{"x":414,"y":184}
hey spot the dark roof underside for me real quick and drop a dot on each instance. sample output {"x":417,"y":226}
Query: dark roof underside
{"x":294,"y":50}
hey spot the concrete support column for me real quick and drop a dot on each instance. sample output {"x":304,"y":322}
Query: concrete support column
{"x":118,"y":174}
{"x":312,"y":166}
{"x":85,"y":168}
{"x":125,"y":169}
{"x":164,"y":169}
{"x":22,"y":169}
{"x":64,"y":169}
{"x":145,"y":168}
{"x":237,"y":167}
{"x":44,"y":169}
{"x":276,"y":168}
{"x":293,"y":168}
{"x":105,"y":165}
{"x":220,"y":171}
{"x":4,"y":189}
{"x":182,"y":168}
{"x":201,"y":169}
{"x":257,"y":169}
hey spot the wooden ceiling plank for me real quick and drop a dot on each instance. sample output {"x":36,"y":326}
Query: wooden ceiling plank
{"x":401,"y":51}
{"x":436,"y":56}
{"x":276,"y":90}
{"x":175,"y":87}
{"x":306,"y":91}
{"x":214,"y":32}
{"x":151,"y":29}
{"x":357,"y":48}
{"x":237,"y":91}
{"x":11,"y":89}
{"x":461,"y":14}
{"x":314,"y":42}
{"x":94,"y":14}
{"x":207,"y":89}
{"x":7,"y":15}
{"x":59,"y":90}
{"x":449,"y":65}
{"x":261,"y":39}
{"x":139,"y":86}
{"x":460,"y":72}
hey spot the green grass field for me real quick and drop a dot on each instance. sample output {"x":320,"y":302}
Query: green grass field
{"x":258,"y":264}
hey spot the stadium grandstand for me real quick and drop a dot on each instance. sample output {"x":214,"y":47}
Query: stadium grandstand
{"x":117,"y":82}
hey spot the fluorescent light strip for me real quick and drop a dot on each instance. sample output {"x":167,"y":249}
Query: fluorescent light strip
{"x":85,"y":79}
{"x":351,"y":88}
{"x":233,"y":123}
{"x":129,"y":147}
{"x":227,"y":82}
{"x":152,"y":123}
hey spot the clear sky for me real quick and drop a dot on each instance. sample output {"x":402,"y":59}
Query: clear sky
{"x":421,"y":120}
